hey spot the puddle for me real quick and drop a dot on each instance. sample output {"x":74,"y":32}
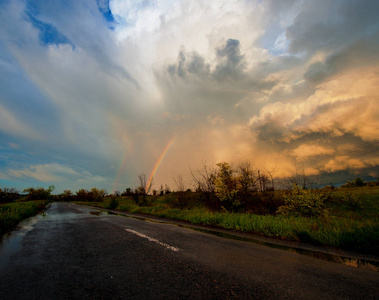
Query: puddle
{"x":100,"y":213}
{"x":95,"y":213}
{"x":11,"y":242}
{"x":348,"y":261}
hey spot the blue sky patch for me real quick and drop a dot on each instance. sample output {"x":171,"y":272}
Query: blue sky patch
{"x":48,"y":34}
{"x":103,"y":6}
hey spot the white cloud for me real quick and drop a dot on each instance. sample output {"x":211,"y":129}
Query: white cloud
{"x":10,"y":124}
{"x":201,"y":70}
{"x":44,"y":173}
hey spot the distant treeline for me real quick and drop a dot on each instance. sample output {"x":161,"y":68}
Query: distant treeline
{"x":220,"y":187}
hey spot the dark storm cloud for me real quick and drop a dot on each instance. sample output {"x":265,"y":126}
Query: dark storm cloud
{"x":231,"y":62}
{"x":88,"y":85}
{"x":330,"y":25}
{"x":192,"y":63}
{"x":197,"y":65}
{"x":361,"y":53}
{"x":181,"y":67}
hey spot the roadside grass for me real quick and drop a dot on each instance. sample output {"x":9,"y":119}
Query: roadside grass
{"x":13,"y":213}
{"x":347,"y":225}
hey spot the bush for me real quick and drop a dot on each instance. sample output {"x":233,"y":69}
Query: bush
{"x":97,"y":194}
{"x":94,"y":195}
{"x":8,"y":195}
{"x":113,"y":203}
{"x":39,"y":193}
{"x":358,"y":181}
{"x":303,"y":202}
{"x":66,"y":196}
{"x":227,"y":187}
{"x":354,"y":201}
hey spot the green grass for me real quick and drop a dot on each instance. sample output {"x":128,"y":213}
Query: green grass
{"x":350,"y":226}
{"x":13,"y":213}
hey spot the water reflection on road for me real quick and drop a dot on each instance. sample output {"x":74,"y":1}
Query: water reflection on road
{"x":10,"y":243}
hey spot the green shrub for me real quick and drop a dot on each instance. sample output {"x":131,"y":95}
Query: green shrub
{"x":354,"y":201}
{"x":303,"y":202}
{"x":95,"y":194}
{"x":113,"y":203}
{"x":8,"y":195}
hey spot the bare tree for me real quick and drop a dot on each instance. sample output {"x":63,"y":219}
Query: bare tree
{"x":247,"y":178}
{"x":167,"y":189}
{"x":144,"y":184}
{"x":180,"y":191}
{"x":143,"y":189}
{"x":180,"y":184}
{"x":204,"y":179}
{"x":299,"y":179}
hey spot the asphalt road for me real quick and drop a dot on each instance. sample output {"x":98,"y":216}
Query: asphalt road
{"x":74,"y":252}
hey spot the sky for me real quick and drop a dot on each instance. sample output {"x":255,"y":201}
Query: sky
{"x":95,"y":92}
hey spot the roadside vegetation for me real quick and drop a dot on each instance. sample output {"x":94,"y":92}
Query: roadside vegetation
{"x":15,"y":207}
{"x":248,"y":200}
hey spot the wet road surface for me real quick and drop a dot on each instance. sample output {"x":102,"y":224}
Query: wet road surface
{"x":75,"y":252}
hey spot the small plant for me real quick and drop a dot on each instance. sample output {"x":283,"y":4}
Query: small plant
{"x":303,"y":202}
{"x":354,"y":201}
{"x":113,"y":203}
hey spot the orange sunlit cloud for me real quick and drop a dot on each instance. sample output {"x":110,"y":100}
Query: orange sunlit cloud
{"x":282,"y":86}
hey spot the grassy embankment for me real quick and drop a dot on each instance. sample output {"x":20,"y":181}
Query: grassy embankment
{"x":13,"y":213}
{"x":351,"y":221}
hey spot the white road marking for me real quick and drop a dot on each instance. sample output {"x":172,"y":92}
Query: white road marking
{"x":172,"y":248}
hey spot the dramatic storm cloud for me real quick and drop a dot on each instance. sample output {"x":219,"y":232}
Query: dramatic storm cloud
{"x":93,"y":93}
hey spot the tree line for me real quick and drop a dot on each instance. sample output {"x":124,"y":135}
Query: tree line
{"x":221,"y":187}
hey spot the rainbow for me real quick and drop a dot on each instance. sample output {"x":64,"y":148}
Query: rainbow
{"x":115,"y":184}
{"x":159,"y":161}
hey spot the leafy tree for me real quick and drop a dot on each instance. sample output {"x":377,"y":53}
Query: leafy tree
{"x":227,"y":187}
{"x":39,"y":193}
{"x":128,"y":192}
{"x":98,"y":194}
{"x":83,"y":195}
{"x":358,"y":181}
{"x":9,"y":195}
{"x":66,"y":195}
{"x":247,"y":183}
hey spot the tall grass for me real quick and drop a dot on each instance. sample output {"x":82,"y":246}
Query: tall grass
{"x":12,"y":213}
